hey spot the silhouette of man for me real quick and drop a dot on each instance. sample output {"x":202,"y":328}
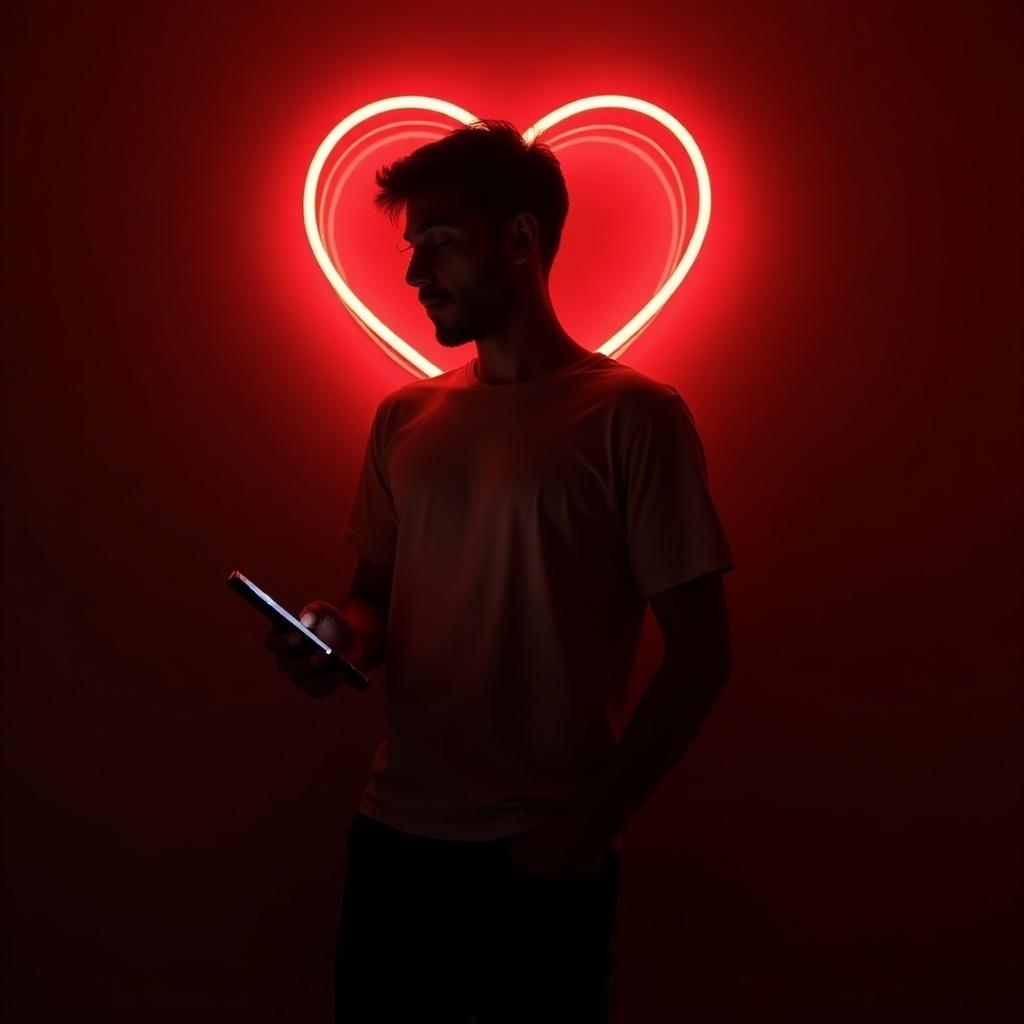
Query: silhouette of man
{"x":512,"y":519}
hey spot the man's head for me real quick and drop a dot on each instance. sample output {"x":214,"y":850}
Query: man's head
{"x":484,"y":218}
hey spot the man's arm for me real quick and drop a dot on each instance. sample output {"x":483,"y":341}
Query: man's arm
{"x":366,"y":611}
{"x":694,"y":621}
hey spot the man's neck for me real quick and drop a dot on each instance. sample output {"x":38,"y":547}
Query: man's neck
{"x":499,"y":367}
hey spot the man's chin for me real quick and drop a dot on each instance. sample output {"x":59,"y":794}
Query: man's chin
{"x":449,"y":341}
{"x":451,"y":337}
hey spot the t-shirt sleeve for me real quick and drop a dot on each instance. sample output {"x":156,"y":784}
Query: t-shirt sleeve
{"x":673,"y":531}
{"x":372,"y":529}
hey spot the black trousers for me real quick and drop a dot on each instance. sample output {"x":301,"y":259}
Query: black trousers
{"x":448,"y":931}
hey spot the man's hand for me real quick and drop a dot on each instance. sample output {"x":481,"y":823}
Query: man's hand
{"x":553,"y":851}
{"x":303,"y":663}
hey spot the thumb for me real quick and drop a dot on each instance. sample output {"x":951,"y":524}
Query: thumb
{"x":308,"y":619}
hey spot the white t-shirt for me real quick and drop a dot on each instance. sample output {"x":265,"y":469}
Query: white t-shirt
{"x":527,"y":524}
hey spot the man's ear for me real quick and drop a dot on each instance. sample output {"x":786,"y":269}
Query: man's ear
{"x":525,"y":231}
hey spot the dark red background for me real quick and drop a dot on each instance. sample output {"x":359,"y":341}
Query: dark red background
{"x":185,"y":396}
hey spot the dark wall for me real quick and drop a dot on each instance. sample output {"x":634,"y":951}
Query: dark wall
{"x":185,"y":396}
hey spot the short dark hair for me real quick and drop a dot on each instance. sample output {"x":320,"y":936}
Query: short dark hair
{"x":500,"y":175}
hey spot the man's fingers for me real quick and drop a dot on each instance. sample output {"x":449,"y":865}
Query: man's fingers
{"x":275,"y":636}
{"x":284,"y":638}
{"x":301,"y":661}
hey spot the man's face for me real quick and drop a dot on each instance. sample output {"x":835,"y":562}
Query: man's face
{"x":456,"y":258}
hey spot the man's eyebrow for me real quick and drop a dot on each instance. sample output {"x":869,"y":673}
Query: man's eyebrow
{"x":435,"y":222}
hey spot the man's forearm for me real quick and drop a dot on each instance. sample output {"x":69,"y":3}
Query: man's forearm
{"x":369,"y":628}
{"x":667,"y":718}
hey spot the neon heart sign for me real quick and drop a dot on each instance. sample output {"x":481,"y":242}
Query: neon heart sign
{"x":315,"y":211}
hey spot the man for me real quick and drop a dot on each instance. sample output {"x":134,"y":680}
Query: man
{"x":511,"y":520}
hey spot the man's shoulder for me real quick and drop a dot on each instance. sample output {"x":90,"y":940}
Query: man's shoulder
{"x":414,"y":394}
{"x":631,"y":391}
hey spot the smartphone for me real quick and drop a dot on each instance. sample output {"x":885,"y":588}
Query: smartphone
{"x":263,"y":602}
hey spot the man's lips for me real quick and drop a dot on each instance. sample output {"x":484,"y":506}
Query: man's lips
{"x":432,"y":304}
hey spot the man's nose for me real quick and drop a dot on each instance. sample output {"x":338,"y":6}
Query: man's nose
{"x":416,"y":275}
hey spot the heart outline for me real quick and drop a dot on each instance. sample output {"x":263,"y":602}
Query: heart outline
{"x":397,"y":345}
